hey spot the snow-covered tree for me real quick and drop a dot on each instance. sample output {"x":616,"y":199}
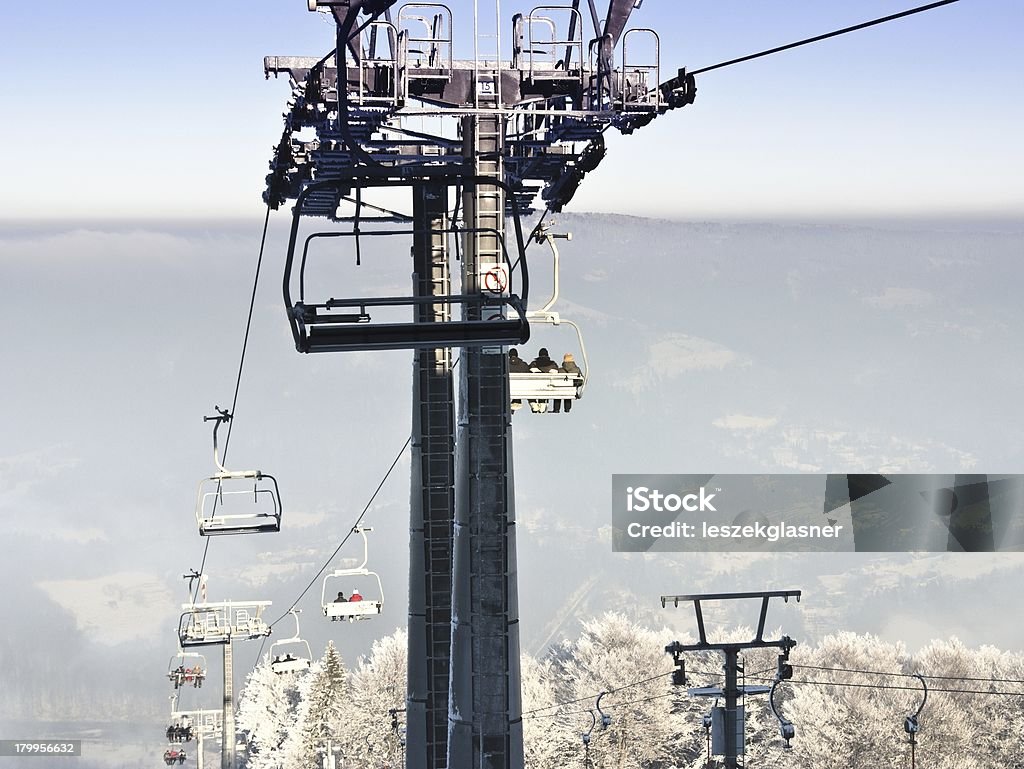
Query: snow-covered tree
{"x":323,"y":692}
{"x":540,"y":705}
{"x":377,"y":686}
{"x":629,"y":662}
{"x":266,"y":713}
{"x":852,"y":723}
{"x":847,"y":700}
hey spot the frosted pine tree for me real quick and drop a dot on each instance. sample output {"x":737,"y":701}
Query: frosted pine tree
{"x":266,"y":712}
{"x":323,"y":693}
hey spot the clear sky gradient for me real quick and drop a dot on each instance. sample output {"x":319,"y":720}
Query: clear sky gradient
{"x":121,"y":109}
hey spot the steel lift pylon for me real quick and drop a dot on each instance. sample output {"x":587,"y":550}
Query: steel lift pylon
{"x":519,"y":126}
{"x":529,"y":125}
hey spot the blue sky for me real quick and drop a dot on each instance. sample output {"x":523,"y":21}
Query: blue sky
{"x":117,"y":109}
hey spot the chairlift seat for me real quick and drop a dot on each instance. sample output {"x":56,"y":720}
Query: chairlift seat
{"x":202,"y":630}
{"x":211,"y":624}
{"x":352,"y":610}
{"x":346,"y":337}
{"x":544,"y":386}
{"x":363,"y":608}
{"x":185,"y":660}
{"x":291,"y":655}
{"x":290,"y":666}
{"x":198,"y":636}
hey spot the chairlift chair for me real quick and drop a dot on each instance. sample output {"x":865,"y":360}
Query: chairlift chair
{"x":280,"y":663}
{"x":180,"y":730}
{"x":186,"y":667}
{"x":367,"y":607}
{"x":200,"y":626}
{"x":236,"y":502}
{"x":489,"y":318}
{"x":541,"y":387}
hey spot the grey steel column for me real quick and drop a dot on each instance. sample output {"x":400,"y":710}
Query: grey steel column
{"x":731,"y":690}
{"x":485,"y":726}
{"x":432,"y":497}
{"x":227,"y":755}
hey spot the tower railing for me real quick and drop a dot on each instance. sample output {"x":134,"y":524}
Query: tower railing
{"x":541,"y":55}
{"x":639,"y":87}
{"x":377,"y":73}
{"x":432,"y":61}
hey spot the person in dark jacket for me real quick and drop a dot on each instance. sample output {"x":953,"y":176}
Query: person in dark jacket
{"x":544,"y":365}
{"x":569,"y":367}
{"x":517,"y":365}
{"x":543,"y":362}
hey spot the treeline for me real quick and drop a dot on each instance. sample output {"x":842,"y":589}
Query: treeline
{"x":848,"y":699}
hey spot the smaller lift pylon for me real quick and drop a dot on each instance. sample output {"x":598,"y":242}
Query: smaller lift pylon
{"x":727,"y":723}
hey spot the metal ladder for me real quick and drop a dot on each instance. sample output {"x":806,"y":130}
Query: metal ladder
{"x":485,"y":632}
{"x":433,"y":490}
{"x":487,"y":58}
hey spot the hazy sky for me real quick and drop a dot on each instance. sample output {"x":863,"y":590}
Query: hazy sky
{"x":119,"y":109}
{"x":792,"y":348}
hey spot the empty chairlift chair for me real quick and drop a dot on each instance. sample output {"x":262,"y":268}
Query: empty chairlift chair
{"x":236,"y":502}
{"x":322,"y":322}
{"x":202,"y":626}
{"x":340,"y":607}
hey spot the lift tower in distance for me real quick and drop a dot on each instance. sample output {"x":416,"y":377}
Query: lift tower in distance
{"x":474,"y":141}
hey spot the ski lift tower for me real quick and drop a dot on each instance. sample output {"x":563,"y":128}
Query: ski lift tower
{"x":222,"y":623}
{"x":727,"y":724}
{"x":475,"y":141}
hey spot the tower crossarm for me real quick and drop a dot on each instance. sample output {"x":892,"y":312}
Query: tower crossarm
{"x":392,"y":93}
{"x":757,"y":642}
